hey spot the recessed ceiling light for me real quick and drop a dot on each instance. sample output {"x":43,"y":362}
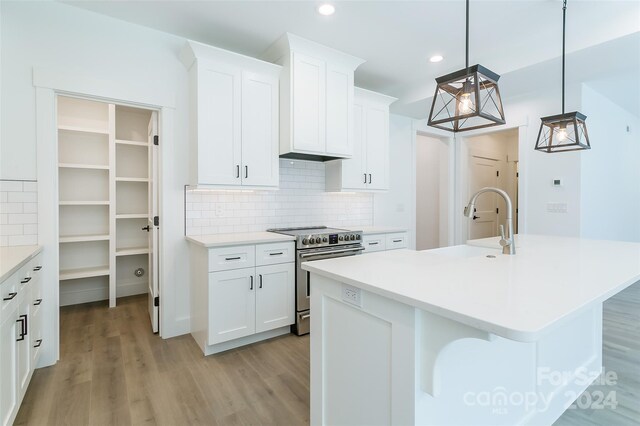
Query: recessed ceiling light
{"x":436,"y":58}
{"x":326,"y":9}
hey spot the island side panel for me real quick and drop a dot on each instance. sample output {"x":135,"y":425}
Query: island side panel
{"x":362,"y":357}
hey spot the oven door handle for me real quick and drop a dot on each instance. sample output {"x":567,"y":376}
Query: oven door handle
{"x":327,"y":253}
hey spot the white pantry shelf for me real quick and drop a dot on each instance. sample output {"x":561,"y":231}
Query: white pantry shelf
{"x":84,"y":203}
{"x":73,"y":274}
{"x":132,"y":251}
{"x":83,"y":129}
{"x":82,"y":166}
{"x":134,"y":143}
{"x":83,"y":238}
{"x":131,"y":179}
{"x":132,"y":216}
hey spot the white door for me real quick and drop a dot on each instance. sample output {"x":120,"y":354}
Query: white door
{"x":377,"y":145}
{"x":260,"y":143}
{"x":483,"y":172}
{"x":9,"y":332}
{"x":339,"y":111}
{"x":353,"y":169}
{"x":275,"y":296}
{"x":153,"y":229}
{"x":309,"y":99}
{"x":232,"y":304}
{"x":219,"y":125}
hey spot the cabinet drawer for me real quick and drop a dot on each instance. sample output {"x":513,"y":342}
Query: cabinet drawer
{"x":373,"y":243}
{"x":397,"y":240}
{"x":273,"y":253}
{"x":236,"y":257}
{"x":13,"y":288}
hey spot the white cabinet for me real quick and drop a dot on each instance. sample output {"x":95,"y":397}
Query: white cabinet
{"x":241,"y":294}
{"x":368,"y":169}
{"x":232,"y":305}
{"x":382,"y":241}
{"x":234,"y":118}
{"x":316,"y":99}
{"x":20,"y":335}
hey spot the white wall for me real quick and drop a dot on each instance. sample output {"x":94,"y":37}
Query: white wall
{"x":396,"y":207}
{"x":54,"y":36}
{"x":610,"y":171}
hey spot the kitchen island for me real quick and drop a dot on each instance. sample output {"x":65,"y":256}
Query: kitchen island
{"x":464,"y":334}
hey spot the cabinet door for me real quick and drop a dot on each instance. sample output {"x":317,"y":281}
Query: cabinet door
{"x":9,"y":329}
{"x":23,"y":348}
{"x":353,"y":169}
{"x":275,"y":296}
{"x":309,"y":104}
{"x":260,"y":142}
{"x":219,"y":125}
{"x":339,"y":112}
{"x":232,"y":305}
{"x":377,"y":146}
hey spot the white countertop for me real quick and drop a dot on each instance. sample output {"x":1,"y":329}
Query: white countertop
{"x":378,"y":229}
{"x":518,"y":297}
{"x":239,"y":238}
{"x":12,"y":258}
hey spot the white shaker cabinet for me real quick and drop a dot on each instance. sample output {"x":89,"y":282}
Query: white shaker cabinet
{"x":9,"y":329}
{"x":241,"y":294}
{"x":368,"y":169}
{"x":234,"y":118}
{"x":316,"y":99}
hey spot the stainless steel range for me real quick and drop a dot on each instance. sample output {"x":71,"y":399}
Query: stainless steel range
{"x":317,"y":243}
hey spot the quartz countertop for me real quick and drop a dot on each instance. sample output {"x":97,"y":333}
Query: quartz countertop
{"x":13,"y":258}
{"x":239,"y":238}
{"x":379,"y":229}
{"x":518,"y":297}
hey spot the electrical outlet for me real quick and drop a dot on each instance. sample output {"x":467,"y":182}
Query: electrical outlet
{"x":352,"y":295}
{"x":557,"y":207}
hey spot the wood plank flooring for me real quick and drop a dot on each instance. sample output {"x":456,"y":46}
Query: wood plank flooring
{"x":113,"y":371}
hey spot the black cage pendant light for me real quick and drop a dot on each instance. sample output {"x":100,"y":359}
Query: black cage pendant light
{"x":467,"y":99}
{"x":567,"y":131}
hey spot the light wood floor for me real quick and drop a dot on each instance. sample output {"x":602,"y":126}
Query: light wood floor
{"x":112,"y":370}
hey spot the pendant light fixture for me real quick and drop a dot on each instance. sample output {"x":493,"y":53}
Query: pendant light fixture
{"x":567,"y":131}
{"x":467,"y":99}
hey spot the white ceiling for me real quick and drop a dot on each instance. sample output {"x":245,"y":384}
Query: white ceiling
{"x":396,"y":38}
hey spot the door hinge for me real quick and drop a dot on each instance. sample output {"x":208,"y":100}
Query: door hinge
{"x":156,"y":221}
{"x":156,"y":140}
{"x":497,"y":210}
{"x":156,"y":301}
{"x":517,"y":174}
{"x":497,"y":173}
{"x":516,"y":211}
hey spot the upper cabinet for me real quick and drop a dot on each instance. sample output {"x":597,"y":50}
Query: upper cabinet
{"x":316,"y":99}
{"x":368,"y":169}
{"x":234,"y":118}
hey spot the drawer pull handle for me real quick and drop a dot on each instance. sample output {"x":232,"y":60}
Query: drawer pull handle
{"x":232,"y":258}
{"x":276,"y":254}
{"x":38,"y":343}
{"x":251,"y":285}
{"x":373,"y":243}
{"x":37,"y":268}
{"x":397,"y":241}
{"x":37,"y":302}
{"x":23,"y":327}
{"x":26,"y":280}
{"x":260,"y":285}
{"x":11,"y":296}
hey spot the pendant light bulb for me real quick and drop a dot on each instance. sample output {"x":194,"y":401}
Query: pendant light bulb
{"x":562,"y":134}
{"x":464,"y":105}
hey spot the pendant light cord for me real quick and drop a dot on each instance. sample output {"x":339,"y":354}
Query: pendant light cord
{"x":564,"y":26}
{"x":467,"y":43}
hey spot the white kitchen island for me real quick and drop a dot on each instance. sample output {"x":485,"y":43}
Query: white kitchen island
{"x":453,"y":337}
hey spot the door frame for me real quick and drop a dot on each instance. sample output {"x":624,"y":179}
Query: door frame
{"x":48,"y":85}
{"x":462,"y":178}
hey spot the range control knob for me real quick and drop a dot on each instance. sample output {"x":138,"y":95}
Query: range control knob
{"x":305,"y":241}
{"x":341,"y":238}
{"x":325,"y":239}
{"x":353,"y":237}
{"x":312,"y":240}
{"x":357,"y":236}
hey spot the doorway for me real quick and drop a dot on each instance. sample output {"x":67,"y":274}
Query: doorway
{"x":107,"y":202}
{"x":433,"y":192}
{"x":492,"y":160}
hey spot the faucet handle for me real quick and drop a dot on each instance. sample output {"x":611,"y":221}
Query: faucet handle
{"x":502,"y":232}
{"x":503,"y":240}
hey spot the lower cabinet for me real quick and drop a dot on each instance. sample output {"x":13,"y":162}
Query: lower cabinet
{"x":233,"y":307}
{"x":384,"y":241}
{"x":20,"y":335}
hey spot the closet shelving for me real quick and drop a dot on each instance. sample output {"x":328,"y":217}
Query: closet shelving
{"x":103,"y":187}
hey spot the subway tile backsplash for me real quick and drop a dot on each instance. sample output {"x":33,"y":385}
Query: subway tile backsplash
{"x":300,"y":201}
{"x":18,"y":213}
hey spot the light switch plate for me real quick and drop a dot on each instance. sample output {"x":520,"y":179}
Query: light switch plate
{"x":557,"y":207}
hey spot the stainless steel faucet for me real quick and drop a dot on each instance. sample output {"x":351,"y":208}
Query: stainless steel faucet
{"x":507,"y":240}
